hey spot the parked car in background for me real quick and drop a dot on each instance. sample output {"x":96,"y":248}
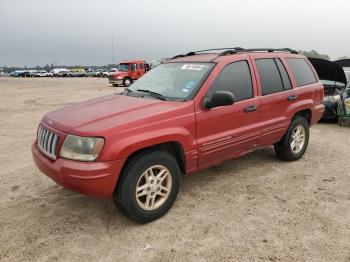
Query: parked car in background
{"x":345,"y":64}
{"x":16,"y":73}
{"x":59,"y":72}
{"x":77,"y":72}
{"x":128,"y":72}
{"x":94,"y":73}
{"x":43,"y":73}
{"x":334,"y":81}
{"x":99,"y":72}
{"x":156,"y":62}
{"x":28,"y":73}
{"x":190,"y":113}
{"x":106,"y":73}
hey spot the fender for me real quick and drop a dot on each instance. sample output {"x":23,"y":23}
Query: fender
{"x":121,"y":148}
{"x":299,"y":106}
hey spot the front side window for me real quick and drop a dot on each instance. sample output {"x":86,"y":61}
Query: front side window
{"x":270,"y":77}
{"x":234,"y":78}
{"x":124,"y":67}
{"x":174,"y":81}
{"x":302,"y":72}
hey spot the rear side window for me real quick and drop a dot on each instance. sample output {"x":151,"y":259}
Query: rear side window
{"x":284,"y":75}
{"x":236,"y":79}
{"x":271,"y":81}
{"x":301,"y":70}
{"x":141,"y":66}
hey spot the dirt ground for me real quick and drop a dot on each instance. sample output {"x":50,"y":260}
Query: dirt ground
{"x":255,"y":208}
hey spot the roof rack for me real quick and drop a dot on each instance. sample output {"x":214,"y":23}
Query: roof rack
{"x":235,"y":50}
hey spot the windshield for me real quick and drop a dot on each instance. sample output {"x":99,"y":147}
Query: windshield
{"x":174,"y":80}
{"x":123,"y":67}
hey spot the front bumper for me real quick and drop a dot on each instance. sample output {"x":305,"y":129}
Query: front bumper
{"x":116,"y":82}
{"x":89,"y":178}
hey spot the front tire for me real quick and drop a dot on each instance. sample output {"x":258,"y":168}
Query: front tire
{"x":294,"y":143}
{"x":127,"y":82}
{"x":148,"y":186}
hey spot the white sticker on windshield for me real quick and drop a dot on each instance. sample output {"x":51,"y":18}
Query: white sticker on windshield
{"x":193,"y":67}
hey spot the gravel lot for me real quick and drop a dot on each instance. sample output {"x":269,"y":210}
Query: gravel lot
{"x":255,"y":208}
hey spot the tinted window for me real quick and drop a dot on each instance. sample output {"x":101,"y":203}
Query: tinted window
{"x":285,"y":78}
{"x":236,"y":79}
{"x":301,"y":70}
{"x":270,"y":78}
{"x":141,"y":66}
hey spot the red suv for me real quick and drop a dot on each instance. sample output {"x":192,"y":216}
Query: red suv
{"x":127,"y":72}
{"x":192,"y":112}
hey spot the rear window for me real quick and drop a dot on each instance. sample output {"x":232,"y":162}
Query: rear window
{"x":302,"y":72}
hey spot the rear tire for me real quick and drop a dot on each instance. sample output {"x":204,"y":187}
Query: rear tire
{"x":294,"y":143}
{"x":148,"y":186}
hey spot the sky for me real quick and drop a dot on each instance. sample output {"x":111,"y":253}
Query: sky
{"x":87,"y":32}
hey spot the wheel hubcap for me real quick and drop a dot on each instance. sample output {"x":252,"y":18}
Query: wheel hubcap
{"x":153,"y":187}
{"x":298,"y":139}
{"x":127,"y":82}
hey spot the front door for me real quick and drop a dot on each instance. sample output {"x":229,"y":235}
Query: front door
{"x":228,"y":131}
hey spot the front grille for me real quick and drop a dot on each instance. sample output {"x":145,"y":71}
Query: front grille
{"x":47,"y":142}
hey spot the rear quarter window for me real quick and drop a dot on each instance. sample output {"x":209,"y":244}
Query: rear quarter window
{"x":302,"y":71}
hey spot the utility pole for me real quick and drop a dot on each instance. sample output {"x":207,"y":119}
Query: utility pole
{"x":113,"y":59}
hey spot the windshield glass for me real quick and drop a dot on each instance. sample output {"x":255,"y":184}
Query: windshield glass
{"x":174,"y":80}
{"x":123,"y":67}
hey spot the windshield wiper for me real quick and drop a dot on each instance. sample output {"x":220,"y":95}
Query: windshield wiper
{"x":154,"y":94}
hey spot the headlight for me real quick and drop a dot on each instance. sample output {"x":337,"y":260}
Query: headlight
{"x":81,"y":148}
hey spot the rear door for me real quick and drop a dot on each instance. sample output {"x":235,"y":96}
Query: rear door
{"x":142,"y":69}
{"x":228,"y":131}
{"x":134,"y":71}
{"x":276,"y":95}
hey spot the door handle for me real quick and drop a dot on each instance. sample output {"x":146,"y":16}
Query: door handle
{"x":250,"y":108}
{"x":292,"y":97}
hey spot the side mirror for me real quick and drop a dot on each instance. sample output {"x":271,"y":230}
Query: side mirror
{"x":219,"y":98}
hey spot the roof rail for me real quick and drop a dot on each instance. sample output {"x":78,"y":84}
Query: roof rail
{"x":229,"y":52}
{"x":207,"y":50}
{"x":235,"y":50}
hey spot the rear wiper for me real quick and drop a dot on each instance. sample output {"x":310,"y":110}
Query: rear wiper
{"x":154,"y":94}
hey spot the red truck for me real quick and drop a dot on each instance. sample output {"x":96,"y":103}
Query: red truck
{"x":128,"y":72}
{"x":192,"y":112}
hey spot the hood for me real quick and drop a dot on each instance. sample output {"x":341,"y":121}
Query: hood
{"x":95,"y":116}
{"x":329,"y":71}
{"x":343,"y":62}
{"x":119,"y":73}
